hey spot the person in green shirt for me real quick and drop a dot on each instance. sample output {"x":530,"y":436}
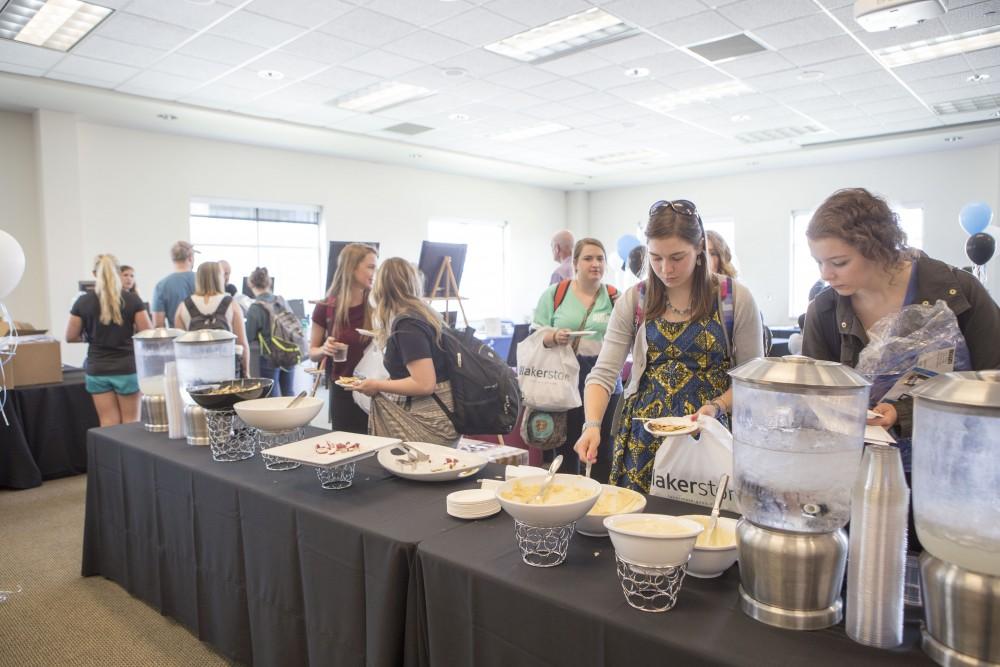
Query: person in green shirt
{"x":583,"y":303}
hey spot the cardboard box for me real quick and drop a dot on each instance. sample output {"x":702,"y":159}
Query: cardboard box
{"x":23,"y":328}
{"x":34,"y":362}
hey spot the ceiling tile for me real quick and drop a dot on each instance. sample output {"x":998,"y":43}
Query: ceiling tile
{"x":480,"y":63}
{"x":756,"y":64}
{"x":305,"y":93}
{"x":537,"y":13}
{"x":798,"y":94}
{"x":256,"y":29}
{"x":221,"y":49}
{"x":984,"y":58}
{"x":367,"y":27}
{"x":343,"y":79}
{"x":896,"y":104}
{"x":95,"y":46}
{"x":823,"y":104}
{"x":82,"y":80}
{"x":602,"y":79}
{"x":304,"y":13}
{"x":324,"y":48}
{"x":631,"y":48}
{"x":142,"y":31}
{"x":292,"y":66}
{"x":522,"y":76}
{"x":162,"y":83}
{"x":750,"y":14}
{"x":665,"y":64}
{"x":593,"y":101}
{"x":864,"y":81}
{"x":705,"y":76}
{"x":807,"y":29}
{"x":873,"y":94}
{"x":834,"y":69}
{"x":516,"y":101}
{"x":98,"y":70}
{"x":934,"y":68}
{"x":21,"y":69}
{"x":901,"y":116}
{"x":248,"y":80}
{"x":382,"y":63}
{"x":973,"y":17}
{"x":219,"y":96}
{"x":16,"y":53}
{"x":426,"y":46}
{"x":423,"y":14}
{"x":432,"y":77}
{"x":191,"y":68}
{"x":478,"y":27}
{"x":703,"y":27}
{"x":652,"y":12}
{"x":186,"y":14}
{"x":641,"y":91}
{"x":574,"y":65}
{"x":559,"y":90}
{"x":818,"y":52}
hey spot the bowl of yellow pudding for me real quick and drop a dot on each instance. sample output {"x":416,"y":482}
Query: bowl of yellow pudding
{"x":653,"y":540}
{"x":713,"y":554}
{"x":613,"y":500}
{"x":567,"y":499}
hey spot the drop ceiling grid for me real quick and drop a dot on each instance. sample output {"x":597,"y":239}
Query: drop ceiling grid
{"x":210,"y":56}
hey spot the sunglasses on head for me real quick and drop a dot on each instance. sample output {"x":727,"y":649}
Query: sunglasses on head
{"x":680,"y":206}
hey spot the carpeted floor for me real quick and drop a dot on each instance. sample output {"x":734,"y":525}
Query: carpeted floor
{"x":50,"y":615}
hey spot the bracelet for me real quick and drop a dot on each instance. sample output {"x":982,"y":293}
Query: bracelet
{"x":720,"y":407}
{"x":591,"y":424}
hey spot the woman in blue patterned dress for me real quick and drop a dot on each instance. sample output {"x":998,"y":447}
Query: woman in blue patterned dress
{"x":686,"y":328}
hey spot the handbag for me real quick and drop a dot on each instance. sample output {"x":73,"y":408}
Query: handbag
{"x":543,"y":429}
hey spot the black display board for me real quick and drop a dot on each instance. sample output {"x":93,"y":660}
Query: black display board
{"x":333,"y":258}
{"x":431,"y":256}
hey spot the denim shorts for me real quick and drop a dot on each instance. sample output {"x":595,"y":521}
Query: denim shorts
{"x":120,"y":384}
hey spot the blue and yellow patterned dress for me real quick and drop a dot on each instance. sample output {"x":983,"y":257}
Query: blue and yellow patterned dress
{"x":686,"y":367}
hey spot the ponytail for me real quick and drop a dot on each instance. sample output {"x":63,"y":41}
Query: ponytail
{"x":109,"y":289}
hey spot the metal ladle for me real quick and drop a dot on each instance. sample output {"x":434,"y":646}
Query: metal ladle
{"x":556,"y":462}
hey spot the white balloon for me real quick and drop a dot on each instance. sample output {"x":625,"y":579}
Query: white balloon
{"x":795,"y":344}
{"x":11,"y":263}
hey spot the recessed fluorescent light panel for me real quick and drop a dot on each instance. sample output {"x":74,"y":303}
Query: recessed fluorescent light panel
{"x":669,"y":101}
{"x":939,"y":47}
{"x":625,"y":156}
{"x":777,"y":133}
{"x":564,"y":36}
{"x":53,"y":24}
{"x":381,"y":96}
{"x":967,"y":105}
{"x":529,"y":132}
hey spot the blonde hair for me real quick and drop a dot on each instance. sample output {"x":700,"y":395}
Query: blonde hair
{"x":716,"y":241}
{"x":397,"y":293}
{"x":348,"y":261}
{"x":208,"y":279}
{"x":109,"y":289}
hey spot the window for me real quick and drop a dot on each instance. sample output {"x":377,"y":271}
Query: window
{"x":284,"y":238}
{"x":484,"y":277}
{"x":804,"y":272}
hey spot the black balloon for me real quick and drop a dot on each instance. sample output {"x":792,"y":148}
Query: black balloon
{"x":980,"y":248}
{"x":636,"y":259}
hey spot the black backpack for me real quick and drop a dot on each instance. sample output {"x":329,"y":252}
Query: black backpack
{"x":216,"y":320}
{"x":484,"y":389}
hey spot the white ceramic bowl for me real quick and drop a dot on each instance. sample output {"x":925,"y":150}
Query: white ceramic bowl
{"x":550,"y":515}
{"x":711,"y":561}
{"x":593,"y":524}
{"x":635,"y":538}
{"x":270,"y":414}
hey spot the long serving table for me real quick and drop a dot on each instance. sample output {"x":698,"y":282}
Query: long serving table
{"x":46,"y":431}
{"x":271,"y":569}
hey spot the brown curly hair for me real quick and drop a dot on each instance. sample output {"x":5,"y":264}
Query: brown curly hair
{"x":865,"y":222}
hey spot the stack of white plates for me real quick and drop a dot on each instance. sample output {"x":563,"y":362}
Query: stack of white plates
{"x":473,"y":504}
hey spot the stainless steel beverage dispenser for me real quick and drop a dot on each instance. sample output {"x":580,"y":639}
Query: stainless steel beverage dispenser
{"x":154,"y":348}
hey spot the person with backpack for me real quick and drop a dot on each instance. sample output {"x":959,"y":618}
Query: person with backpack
{"x":416,"y":402}
{"x":583,"y":303}
{"x":686,"y":327}
{"x":335,"y":324}
{"x":211,"y":308}
{"x":277,"y":330}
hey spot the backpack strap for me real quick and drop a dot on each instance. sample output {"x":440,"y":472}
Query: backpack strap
{"x":330,"y":302}
{"x":612,"y":293}
{"x":220,"y":311}
{"x":560,"y":294}
{"x":639,"y":304}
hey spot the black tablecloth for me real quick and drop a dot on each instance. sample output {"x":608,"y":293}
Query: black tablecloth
{"x":266,"y":566}
{"x":484,"y":606}
{"x":47,"y":433}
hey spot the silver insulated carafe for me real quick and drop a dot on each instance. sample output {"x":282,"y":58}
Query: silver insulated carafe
{"x":798,"y":434}
{"x":956,"y":508}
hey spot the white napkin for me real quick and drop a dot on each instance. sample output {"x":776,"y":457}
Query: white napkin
{"x":523,"y":471}
{"x":175,"y":406}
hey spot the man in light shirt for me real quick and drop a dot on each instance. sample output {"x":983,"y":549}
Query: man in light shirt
{"x":176,"y":287}
{"x":562,"y":252}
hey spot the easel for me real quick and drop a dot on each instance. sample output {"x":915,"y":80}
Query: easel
{"x":450,"y":289}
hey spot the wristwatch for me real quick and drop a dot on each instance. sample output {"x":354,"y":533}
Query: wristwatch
{"x":591,"y":424}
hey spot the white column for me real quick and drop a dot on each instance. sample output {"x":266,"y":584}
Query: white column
{"x":578,"y":212}
{"x":62,"y":230}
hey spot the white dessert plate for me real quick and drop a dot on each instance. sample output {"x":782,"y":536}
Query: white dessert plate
{"x":579,"y":333}
{"x":444,"y":463}
{"x":304,"y":451}
{"x":670,"y":426}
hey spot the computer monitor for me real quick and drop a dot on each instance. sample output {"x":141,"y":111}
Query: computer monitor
{"x":298,"y":307}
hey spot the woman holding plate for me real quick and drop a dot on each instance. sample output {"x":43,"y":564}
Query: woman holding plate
{"x":685,"y":327}
{"x":576,"y":313}
{"x":335,"y":337}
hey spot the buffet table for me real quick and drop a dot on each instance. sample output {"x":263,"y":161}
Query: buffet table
{"x":271,"y":569}
{"x":47,"y":432}
{"x":265,"y":566}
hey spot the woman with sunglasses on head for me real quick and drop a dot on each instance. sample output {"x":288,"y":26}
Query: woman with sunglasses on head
{"x":583,"y":303}
{"x":685,"y":327}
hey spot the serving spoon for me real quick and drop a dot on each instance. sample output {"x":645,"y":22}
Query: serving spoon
{"x":556,"y":462}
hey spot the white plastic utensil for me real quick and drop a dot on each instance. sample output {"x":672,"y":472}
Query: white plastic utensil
{"x":589,"y":466}
{"x":719,"y":495}
{"x":295,"y":401}
{"x":556,"y":462}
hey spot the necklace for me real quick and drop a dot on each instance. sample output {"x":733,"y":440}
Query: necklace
{"x":678,"y":311}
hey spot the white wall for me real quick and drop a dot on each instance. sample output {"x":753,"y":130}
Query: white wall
{"x":761,"y":203}
{"x":20,"y":217}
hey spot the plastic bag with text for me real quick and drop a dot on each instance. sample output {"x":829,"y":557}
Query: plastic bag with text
{"x":688,"y":470}
{"x":548,"y":376}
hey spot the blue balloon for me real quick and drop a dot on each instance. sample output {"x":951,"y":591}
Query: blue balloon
{"x":975,"y":217}
{"x":626,"y":244}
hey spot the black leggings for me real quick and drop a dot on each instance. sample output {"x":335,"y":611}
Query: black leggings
{"x":345,"y":415}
